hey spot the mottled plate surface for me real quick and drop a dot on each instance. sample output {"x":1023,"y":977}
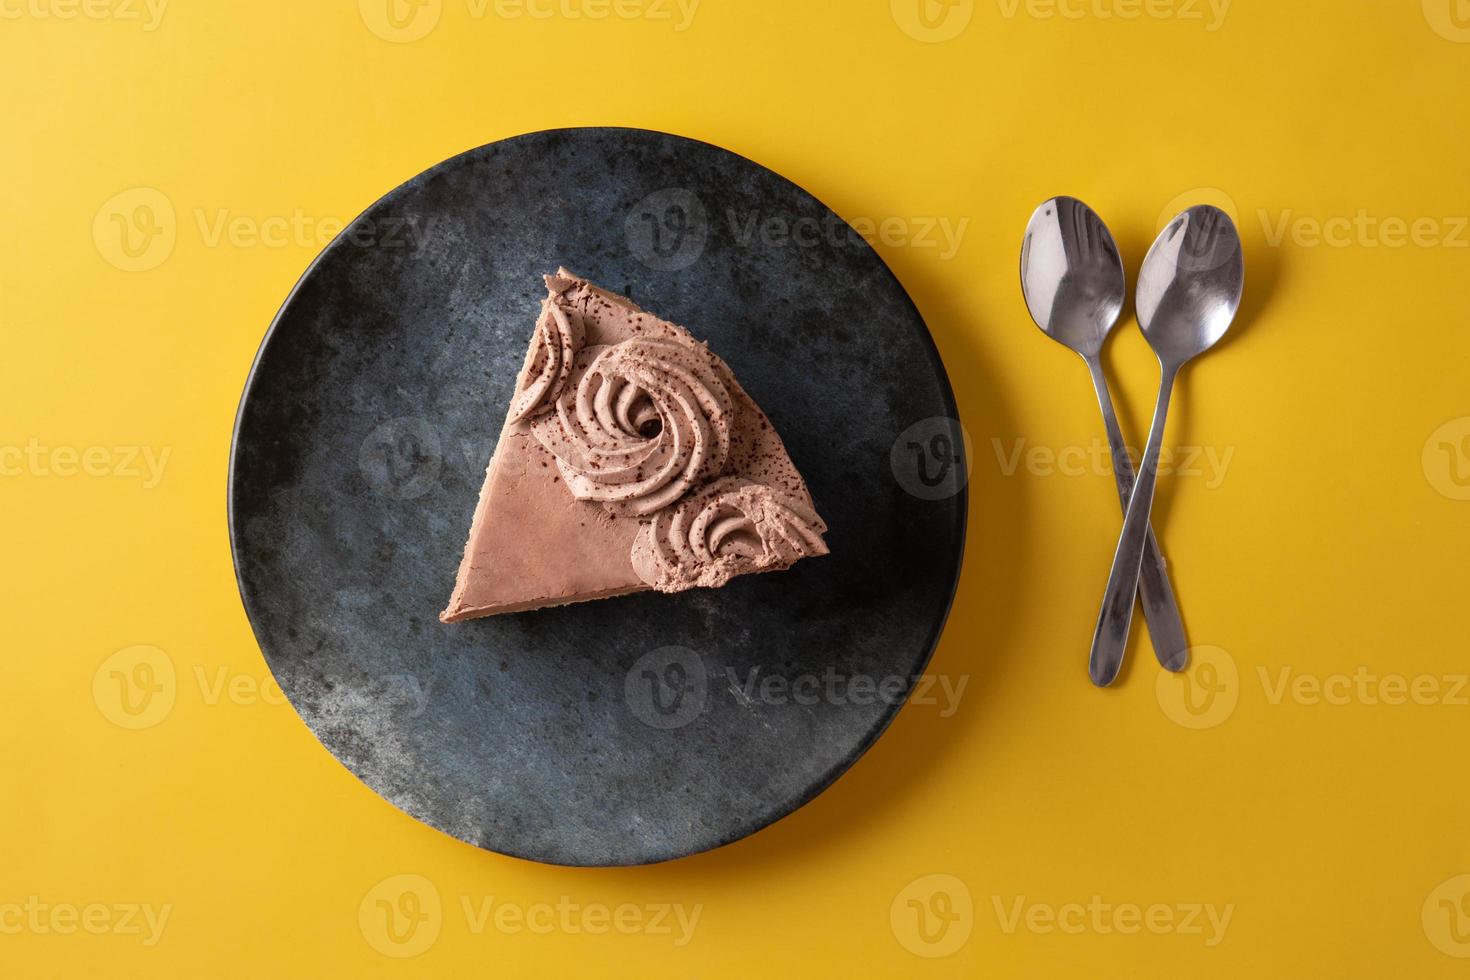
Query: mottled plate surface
{"x":630,"y":730}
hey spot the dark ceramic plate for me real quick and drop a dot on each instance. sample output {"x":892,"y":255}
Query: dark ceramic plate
{"x":630,"y":730}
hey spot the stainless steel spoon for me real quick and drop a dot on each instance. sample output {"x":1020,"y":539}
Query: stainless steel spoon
{"x":1188,"y":295}
{"x":1074,"y":285}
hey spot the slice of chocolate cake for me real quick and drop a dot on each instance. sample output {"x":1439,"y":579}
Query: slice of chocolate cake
{"x":630,"y":459}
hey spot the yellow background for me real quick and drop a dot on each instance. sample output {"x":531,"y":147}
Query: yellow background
{"x":1331,"y":544}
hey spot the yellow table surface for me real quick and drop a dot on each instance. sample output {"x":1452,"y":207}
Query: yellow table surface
{"x":1297,"y":807}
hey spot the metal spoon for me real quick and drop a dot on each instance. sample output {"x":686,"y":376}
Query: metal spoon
{"x":1074,"y":285}
{"x":1188,"y":295}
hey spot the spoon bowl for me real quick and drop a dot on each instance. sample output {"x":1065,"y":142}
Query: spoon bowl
{"x":1072,"y":275}
{"x":1190,"y":287}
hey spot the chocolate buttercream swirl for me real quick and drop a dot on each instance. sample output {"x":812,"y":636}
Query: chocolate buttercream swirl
{"x":728,"y":528}
{"x":639,"y":424}
{"x":559,"y":337}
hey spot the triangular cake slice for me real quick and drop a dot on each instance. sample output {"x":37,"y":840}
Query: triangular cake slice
{"x":630,"y":459}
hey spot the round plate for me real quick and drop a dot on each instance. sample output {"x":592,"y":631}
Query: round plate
{"x":629,"y":730}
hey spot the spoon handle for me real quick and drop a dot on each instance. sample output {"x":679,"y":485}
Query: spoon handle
{"x":1160,"y":610}
{"x":1111,"y":637}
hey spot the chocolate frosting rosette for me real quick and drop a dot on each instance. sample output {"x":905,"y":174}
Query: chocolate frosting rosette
{"x":639,"y":424}
{"x":730,"y":527}
{"x":559,"y":336}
